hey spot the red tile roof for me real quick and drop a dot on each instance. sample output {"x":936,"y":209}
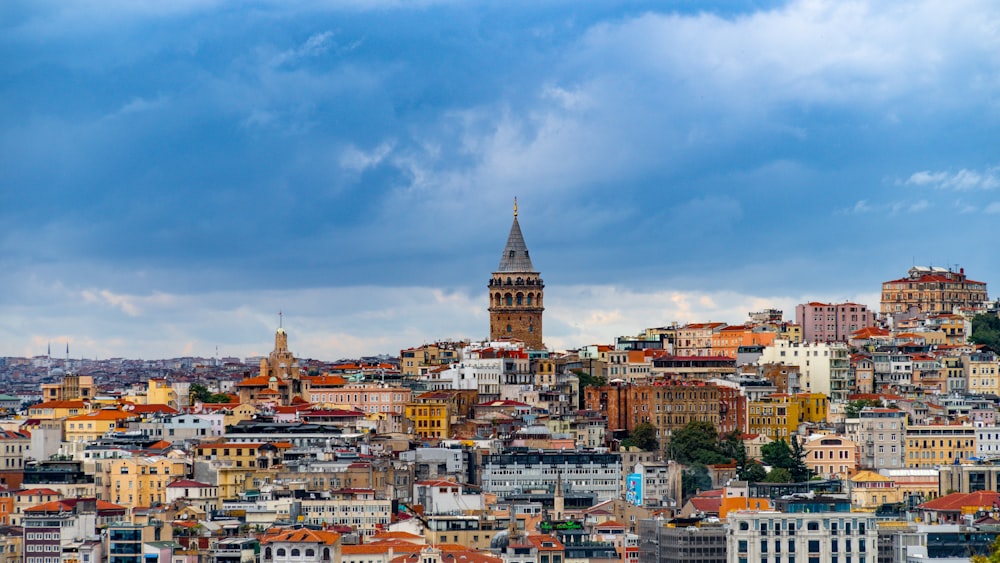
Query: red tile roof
{"x":955,"y":502}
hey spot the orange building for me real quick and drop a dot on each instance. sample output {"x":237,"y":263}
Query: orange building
{"x":727,"y":341}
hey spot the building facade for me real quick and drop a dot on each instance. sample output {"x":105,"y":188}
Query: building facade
{"x":832,"y":322}
{"x":932,"y":291}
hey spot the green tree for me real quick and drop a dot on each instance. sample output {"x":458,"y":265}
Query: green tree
{"x":777,"y":454}
{"x":217,"y":398}
{"x":754,"y":473}
{"x":986,"y":331}
{"x":697,"y":442}
{"x":200,"y":392}
{"x":778,"y":475}
{"x":643,"y":437}
{"x":853,"y":408}
{"x":799,"y":470}
{"x":993,"y":557}
{"x":695,"y":478}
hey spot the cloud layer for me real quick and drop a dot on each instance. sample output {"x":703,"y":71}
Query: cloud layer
{"x":154,"y":155}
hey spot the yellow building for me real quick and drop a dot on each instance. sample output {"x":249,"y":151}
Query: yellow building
{"x":159,"y":392}
{"x":52,"y":410}
{"x":939,"y":444}
{"x":430,"y":415}
{"x":869,"y":490}
{"x":981,"y":373}
{"x":232,"y":413}
{"x":779,"y":414}
{"x":91,"y":426}
{"x":71,"y":388}
{"x":137,"y":481}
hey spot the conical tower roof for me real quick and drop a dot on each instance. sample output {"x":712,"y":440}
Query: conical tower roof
{"x":515,"y":254}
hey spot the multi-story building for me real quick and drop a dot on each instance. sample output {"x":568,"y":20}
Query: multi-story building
{"x":798,"y":537}
{"x":832,"y":322}
{"x":91,"y":426}
{"x":779,"y":415}
{"x":692,"y":367}
{"x":433,"y":413}
{"x":13,"y":447}
{"x":881,"y":435}
{"x":728,"y":340}
{"x":823,"y":367}
{"x":968,"y":478}
{"x":414,"y":362}
{"x":356,"y":508}
{"x":371,"y":398}
{"x":870,"y":490}
{"x":830,"y":456}
{"x":939,"y":444}
{"x":668,"y":406}
{"x":513,"y":472}
{"x":695,"y":339}
{"x":136,"y":481}
{"x":68,"y":478}
{"x":73,"y":387}
{"x":661,"y":541}
{"x":982,"y":375}
{"x":181,"y":427}
{"x":300,"y":545}
{"x":932,"y":291}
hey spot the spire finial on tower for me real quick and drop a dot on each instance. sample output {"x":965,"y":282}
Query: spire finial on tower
{"x":515,"y":207}
{"x":280,"y":320}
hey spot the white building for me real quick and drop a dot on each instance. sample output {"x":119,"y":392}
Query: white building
{"x":796,"y":537}
{"x":823,"y":367}
{"x":438,"y":496}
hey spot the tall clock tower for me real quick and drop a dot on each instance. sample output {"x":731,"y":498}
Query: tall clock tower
{"x":516,"y":292}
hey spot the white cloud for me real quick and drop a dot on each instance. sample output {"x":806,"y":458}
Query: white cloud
{"x":963,"y":180}
{"x":356,"y":160}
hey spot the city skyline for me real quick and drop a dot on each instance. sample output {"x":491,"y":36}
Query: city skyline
{"x":175,"y":175}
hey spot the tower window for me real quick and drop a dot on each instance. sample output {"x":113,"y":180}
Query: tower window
{"x":519,"y":299}
{"x":509,"y":329}
{"x":531,"y":328}
{"x":510,"y":299}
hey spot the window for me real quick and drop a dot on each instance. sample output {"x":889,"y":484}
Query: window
{"x":813,"y":546}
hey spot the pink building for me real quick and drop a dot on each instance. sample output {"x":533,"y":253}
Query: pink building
{"x":832,"y":322}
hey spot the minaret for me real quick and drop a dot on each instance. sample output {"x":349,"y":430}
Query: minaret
{"x":516,"y":292}
{"x":558,"y":500}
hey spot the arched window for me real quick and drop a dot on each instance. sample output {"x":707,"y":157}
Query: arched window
{"x":510,"y":299}
{"x":814,"y":525}
{"x":326,"y":554}
{"x":296,"y":552}
{"x":520,"y":299}
{"x":268,"y":554}
{"x":509,"y":329}
{"x":310,"y":552}
{"x":531,"y":297}
{"x":744,"y":526}
{"x":531,"y":328}
{"x":281,"y":552}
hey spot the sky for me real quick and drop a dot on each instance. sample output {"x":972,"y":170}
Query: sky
{"x":174,"y":174}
